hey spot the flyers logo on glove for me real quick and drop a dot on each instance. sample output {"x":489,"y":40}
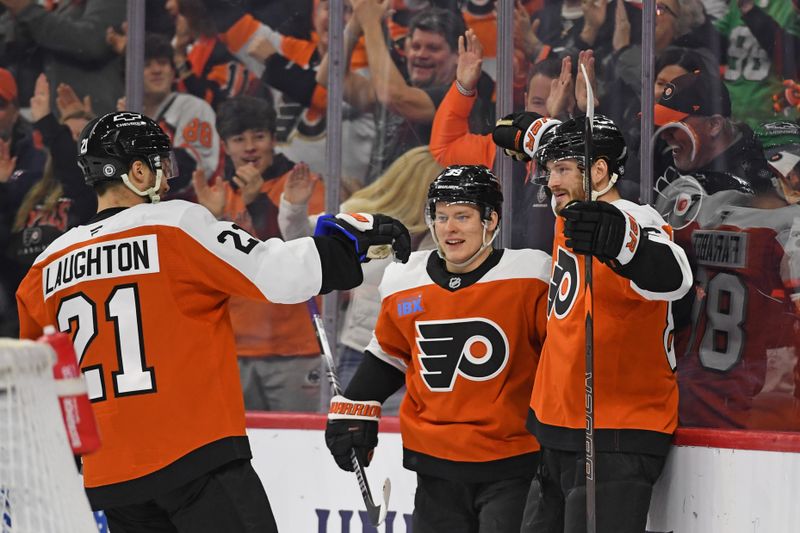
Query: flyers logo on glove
{"x":473,"y":348}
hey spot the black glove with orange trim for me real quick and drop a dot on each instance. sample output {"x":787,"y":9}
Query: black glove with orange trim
{"x":602,"y":230}
{"x":352,"y":425}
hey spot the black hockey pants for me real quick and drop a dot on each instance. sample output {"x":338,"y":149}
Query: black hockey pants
{"x":624,"y":484}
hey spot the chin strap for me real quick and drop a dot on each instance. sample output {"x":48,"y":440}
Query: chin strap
{"x":484,"y":244}
{"x":152,"y":192}
{"x":611,"y":181}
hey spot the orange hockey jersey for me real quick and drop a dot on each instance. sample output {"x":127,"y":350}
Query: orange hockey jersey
{"x":634,"y":361}
{"x":469,"y":345}
{"x":144,"y":294}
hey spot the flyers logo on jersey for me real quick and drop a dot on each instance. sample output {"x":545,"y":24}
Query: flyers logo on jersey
{"x":564,"y":284}
{"x":473,"y":348}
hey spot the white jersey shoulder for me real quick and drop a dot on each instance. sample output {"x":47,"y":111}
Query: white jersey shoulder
{"x":162,"y":214}
{"x":646,"y":216}
{"x":399,"y":277}
{"x":284,"y":272}
{"x":521,"y":264}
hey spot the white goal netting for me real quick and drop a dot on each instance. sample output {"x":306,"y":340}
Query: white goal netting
{"x":40,"y":488}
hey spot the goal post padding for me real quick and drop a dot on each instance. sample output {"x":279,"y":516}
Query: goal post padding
{"x":40,"y":487}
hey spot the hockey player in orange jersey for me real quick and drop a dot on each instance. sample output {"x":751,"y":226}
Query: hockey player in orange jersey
{"x":639,"y":271}
{"x":462,"y":327}
{"x":143,"y":289}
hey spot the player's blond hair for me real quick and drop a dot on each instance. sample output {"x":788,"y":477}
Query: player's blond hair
{"x":401,"y":191}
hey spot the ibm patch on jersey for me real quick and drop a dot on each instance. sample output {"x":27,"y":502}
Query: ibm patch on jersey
{"x":102,"y":260}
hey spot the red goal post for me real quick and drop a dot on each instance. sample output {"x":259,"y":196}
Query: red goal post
{"x":40,"y":487}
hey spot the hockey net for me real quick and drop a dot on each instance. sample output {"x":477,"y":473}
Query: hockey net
{"x":40,"y":488}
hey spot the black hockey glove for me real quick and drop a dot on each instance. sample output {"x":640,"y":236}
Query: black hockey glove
{"x":519,"y":133}
{"x":601,"y":230}
{"x":352,"y":426}
{"x":374,"y":236}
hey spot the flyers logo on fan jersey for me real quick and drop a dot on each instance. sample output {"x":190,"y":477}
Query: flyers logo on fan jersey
{"x":474,"y":348}
{"x":563,"y":284}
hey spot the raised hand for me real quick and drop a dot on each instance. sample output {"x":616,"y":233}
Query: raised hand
{"x":300,"y":184}
{"x":470,"y":59}
{"x":370,"y":12}
{"x":525,"y":38}
{"x":69,"y":104}
{"x":561,"y":100}
{"x":212,"y":197}
{"x":40,"y":101}
{"x":594,"y":15}
{"x":585,"y":57}
{"x":249,"y":180}
{"x":622,"y":27}
{"x":183,"y":36}
{"x":117,"y":40}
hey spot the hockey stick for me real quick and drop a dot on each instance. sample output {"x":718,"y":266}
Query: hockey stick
{"x":588,"y":306}
{"x":376,"y":513}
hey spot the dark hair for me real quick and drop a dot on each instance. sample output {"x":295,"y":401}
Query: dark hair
{"x":241,"y":113}
{"x":549,"y":67}
{"x":687,"y":59}
{"x":448,"y":24}
{"x":157,"y":46}
{"x":198,"y":18}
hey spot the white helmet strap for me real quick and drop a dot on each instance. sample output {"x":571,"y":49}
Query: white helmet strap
{"x":152,"y":192}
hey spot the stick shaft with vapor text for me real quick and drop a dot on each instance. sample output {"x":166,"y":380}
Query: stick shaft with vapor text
{"x":591,"y":517}
{"x":376,"y":513}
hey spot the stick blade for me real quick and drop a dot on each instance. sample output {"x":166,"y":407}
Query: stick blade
{"x":377,"y":513}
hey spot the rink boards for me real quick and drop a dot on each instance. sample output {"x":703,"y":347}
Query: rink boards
{"x":714,"y":481}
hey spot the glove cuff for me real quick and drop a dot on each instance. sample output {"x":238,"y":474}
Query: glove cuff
{"x":630,"y":240}
{"x":345,"y":409}
{"x":535,"y":132}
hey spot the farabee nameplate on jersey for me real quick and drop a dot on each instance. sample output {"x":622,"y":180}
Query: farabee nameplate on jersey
{"x":720,"y":248}
{"x":102,"y":260}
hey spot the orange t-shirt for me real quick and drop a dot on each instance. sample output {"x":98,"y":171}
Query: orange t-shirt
{"x":264,"y":328}
{"x":451,"y":141}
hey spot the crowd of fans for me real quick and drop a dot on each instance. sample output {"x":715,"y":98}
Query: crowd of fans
{"x":241,"y":88}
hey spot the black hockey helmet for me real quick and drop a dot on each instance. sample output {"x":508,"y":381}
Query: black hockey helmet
{"x":470,"y":184}
{"x":566,"y":141}
{"x":109,"y":144}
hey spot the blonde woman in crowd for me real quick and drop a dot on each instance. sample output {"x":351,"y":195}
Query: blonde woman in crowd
{"x":400,"y":192}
